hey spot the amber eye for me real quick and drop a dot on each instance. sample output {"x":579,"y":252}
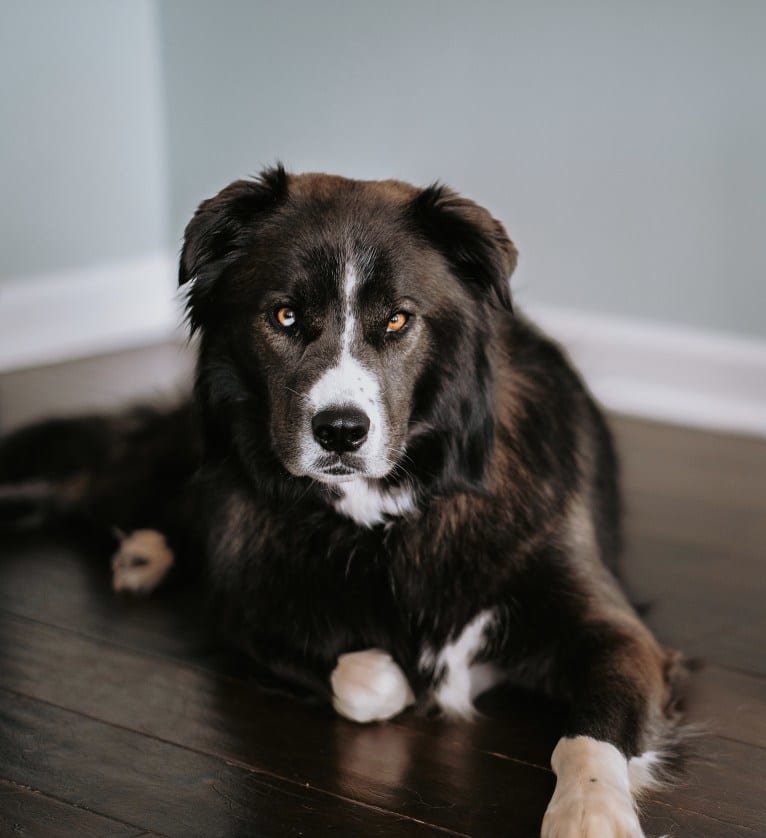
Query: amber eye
{"x":285,"y":316}
{"x":397,"y":322}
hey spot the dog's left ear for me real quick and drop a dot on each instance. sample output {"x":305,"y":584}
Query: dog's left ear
{"x":219,"y":231}
{"x":475,"y":244}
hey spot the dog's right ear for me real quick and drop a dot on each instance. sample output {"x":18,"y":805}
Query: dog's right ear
{"x":220,"y":229}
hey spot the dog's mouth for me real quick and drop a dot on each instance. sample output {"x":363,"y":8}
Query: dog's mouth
{"x":334,"y":478}
{"x":332,"y":468}
{"x":338,"y":469}
{"x":338,"y":474}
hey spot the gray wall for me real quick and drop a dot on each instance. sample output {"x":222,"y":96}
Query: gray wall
{"x":82,"y":158}
{"x":621,"y":142}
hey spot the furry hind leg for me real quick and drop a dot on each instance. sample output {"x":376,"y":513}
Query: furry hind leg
{"x":141,"y":563}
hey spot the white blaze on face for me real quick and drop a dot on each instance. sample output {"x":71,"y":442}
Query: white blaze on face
{"x":350,"y":384}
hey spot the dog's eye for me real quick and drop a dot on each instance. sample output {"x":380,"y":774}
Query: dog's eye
{"x":397,"y":322}
{"x":285,"y":316}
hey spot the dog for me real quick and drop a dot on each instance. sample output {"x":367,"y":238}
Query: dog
{"x":400,"y":491}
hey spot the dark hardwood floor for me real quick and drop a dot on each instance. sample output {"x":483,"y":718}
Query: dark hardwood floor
{"x":120,"y":717}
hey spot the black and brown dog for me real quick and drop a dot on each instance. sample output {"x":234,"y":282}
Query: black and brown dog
{"x":402,"y":491}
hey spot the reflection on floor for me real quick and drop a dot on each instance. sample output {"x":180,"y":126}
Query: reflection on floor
{"x":121,"y":717}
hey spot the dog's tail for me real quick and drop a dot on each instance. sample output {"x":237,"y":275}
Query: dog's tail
{"x":122,"y":471}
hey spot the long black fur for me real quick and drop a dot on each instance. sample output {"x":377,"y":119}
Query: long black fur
{"x":504,"y":441}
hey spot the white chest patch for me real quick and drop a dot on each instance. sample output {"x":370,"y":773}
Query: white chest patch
{"x":463,"y":679}
{"x":368,"y":505}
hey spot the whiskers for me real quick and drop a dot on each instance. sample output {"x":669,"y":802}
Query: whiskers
{"x":301,"y":396}
{"x":396,"y":463}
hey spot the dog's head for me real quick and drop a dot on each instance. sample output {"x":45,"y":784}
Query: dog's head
{"x":344,"y":325}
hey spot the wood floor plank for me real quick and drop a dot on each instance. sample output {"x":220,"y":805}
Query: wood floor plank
{"x":444,"y":780}
{"x":739,"y":644}
{"x":28,"y":813}
{"x":725,"y":470}
{"x":72,"y":589}
{"x":729,"y":704}
{"x":725,"y":782}
{"x":696,"y":489}
{"x":170,"y":790}
{"x":454,"y":775}
{"x":701,"y":601}
{"x":662,"y":819}
{"x":686,"y":522}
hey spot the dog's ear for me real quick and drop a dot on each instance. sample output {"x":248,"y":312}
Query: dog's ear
{"x":220,"y":229}
{"x":473,"y":242}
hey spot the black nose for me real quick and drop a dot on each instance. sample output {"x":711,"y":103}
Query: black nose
{"x":340,"y":428}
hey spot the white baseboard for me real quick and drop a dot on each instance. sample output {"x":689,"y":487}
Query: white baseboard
{"x":665,"y":372}
{"x":657,"y":371}
{"x":81,"y":312}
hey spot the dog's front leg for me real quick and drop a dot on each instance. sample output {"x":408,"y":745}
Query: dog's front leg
{"x":592,"y":797}
{"x":616,"y":673}
{"x":369,"y":686}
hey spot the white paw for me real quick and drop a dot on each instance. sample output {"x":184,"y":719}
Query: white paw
{"x":369,"y":686}
{"x":591,"y":815}
{"x":142,"y":562}
{"x":592,"y":797}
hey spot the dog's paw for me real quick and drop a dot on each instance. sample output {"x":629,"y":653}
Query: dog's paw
{"x":592,"y":797}
{"x":141,"y":562}
{"x":591,"y":815}
{"x":369,"y":686}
